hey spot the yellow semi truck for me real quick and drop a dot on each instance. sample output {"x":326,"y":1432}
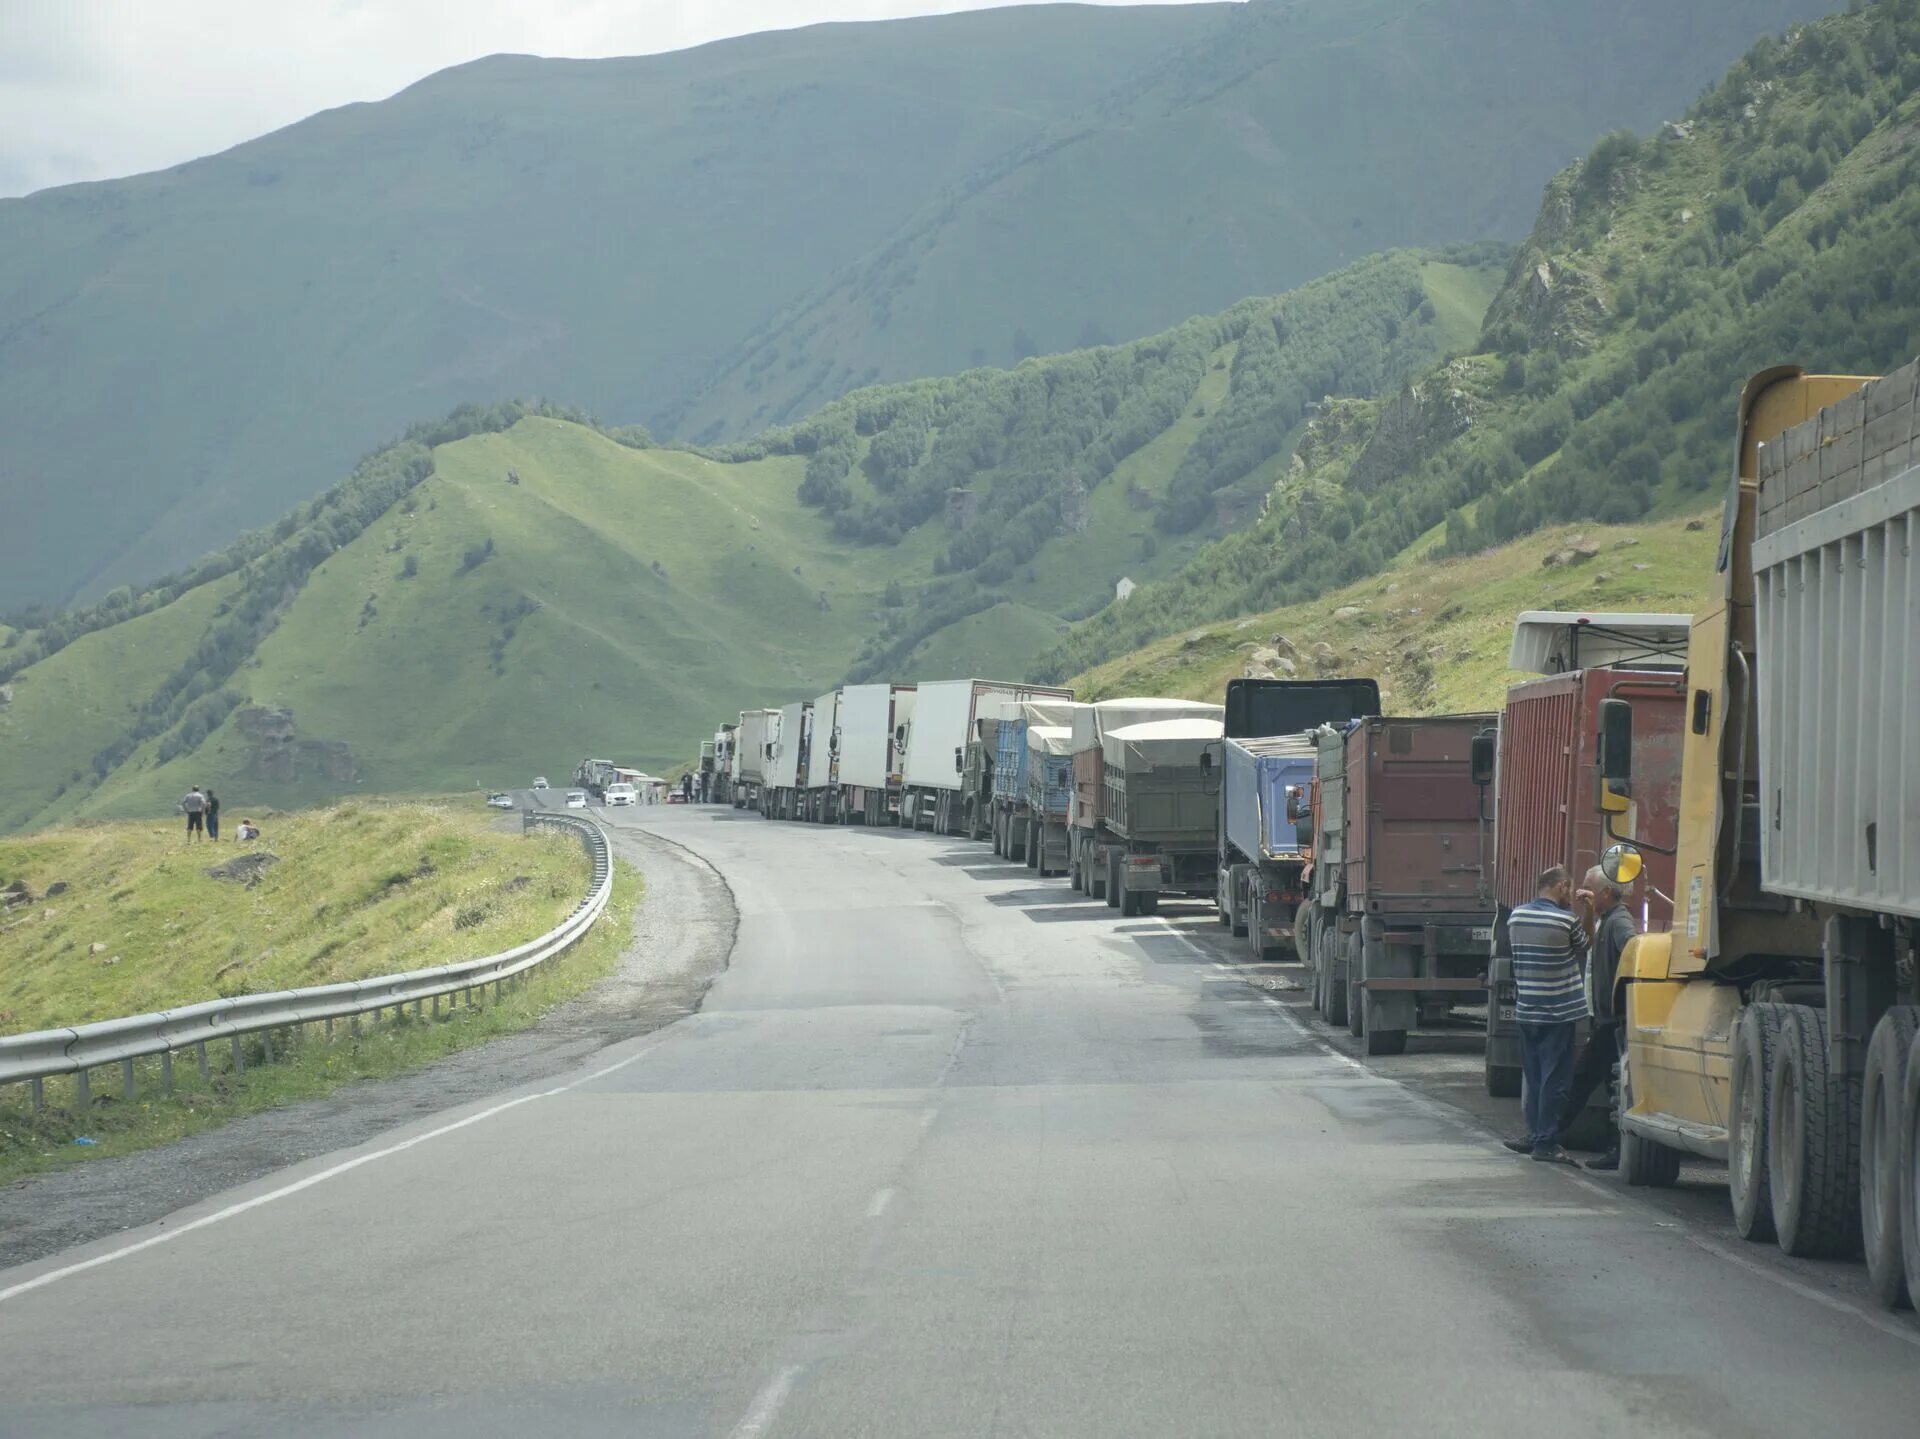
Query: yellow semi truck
{"x":1773,"y":1026}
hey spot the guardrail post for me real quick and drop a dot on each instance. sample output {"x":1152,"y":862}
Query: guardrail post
{"x":200,"y":1047}
{"x":82,"y":1090}
{"x":496,"y":991}
{"x":126,"y":1078}
{"x":266,"y":1044}
{"x":329,"y":1029}
{"x":239,"y":1059}
{"x":39,"y":1093}
{"x":166,"y":1071}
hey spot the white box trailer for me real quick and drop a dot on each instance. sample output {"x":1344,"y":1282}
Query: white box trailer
{"x":820,"y":785}
{"x":943,"y":721}
{"x":787,"y":765}
{"x":752,"y":752}
{"x":874,"y":719}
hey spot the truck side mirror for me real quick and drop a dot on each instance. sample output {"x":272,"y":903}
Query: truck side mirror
{"x":1616,"y":754}
{"x":1481,"y":756}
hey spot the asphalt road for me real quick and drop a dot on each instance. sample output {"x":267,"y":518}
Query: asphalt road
{"x":947,"y":1150}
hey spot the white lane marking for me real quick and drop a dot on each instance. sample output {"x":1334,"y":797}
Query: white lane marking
{"x":1471,"y":1125}
{"x":766,"y":1403}
{"x":880,"y":1202}
{"x":206,"y":1221}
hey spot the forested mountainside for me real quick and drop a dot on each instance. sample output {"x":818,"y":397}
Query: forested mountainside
{"x":514,"y":585}
{"x":719,"y":240}
{"x":1773,"y":224}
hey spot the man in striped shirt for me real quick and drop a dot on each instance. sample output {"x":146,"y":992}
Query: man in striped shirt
{"x":1549,"y":979}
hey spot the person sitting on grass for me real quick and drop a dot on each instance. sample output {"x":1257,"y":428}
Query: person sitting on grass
{"x":248,"y":830}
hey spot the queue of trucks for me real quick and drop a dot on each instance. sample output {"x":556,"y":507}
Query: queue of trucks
{"x":1749,"y":777}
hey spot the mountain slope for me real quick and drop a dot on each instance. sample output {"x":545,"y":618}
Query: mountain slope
{"x":188,"y":353}
{"x":507,"y":590}
{"x":1773,"y":226}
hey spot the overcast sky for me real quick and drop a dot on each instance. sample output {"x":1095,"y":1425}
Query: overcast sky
{"x":96,"y":88}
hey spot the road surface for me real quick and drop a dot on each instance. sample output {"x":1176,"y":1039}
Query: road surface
{"x":948,"y":1150}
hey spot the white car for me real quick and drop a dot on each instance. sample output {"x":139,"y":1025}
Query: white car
{"x":540,"y":781}
{"x":500,"y":801}
{"x":618,"y":794}
{"x":576,"y":799}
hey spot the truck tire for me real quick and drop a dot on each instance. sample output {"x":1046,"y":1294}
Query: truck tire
{"x":1908,"y":1189}
{"x":1113,"y":880}
{"x":1353,"y":972}
{"x":1754,"y":1038}
{"x":1379,"y":1040}
{"x":1146,"y":904}
{"x":1074,"y":881}
{"x":1881,"y":1093}
{"x":1029,"y":851}
{"x":1333,"y":968}
{"x":1643,"y":1163}
{"x":1813,"y":1144}
{"x":1241,"y":901}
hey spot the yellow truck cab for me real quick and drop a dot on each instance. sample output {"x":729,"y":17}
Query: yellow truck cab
{"x":1772,"y":1025}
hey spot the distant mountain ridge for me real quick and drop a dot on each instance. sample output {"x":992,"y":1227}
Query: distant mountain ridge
{"x":722,"y":239}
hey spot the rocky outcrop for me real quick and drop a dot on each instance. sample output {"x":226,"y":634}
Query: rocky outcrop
{"x":1412,"y":425}
{"x":277,"y":753}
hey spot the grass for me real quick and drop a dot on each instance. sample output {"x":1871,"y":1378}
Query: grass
{"x":1435,"y":633}
{"x":326,"y":888}
{"x":998,"y":643}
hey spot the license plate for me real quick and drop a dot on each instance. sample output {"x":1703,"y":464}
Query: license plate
{"x":1483,"y":933}
{"x":1506,"y":1014}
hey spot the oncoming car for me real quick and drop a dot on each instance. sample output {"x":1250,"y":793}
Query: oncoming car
{"x":539,"y":781}
{"x":500,"y":801}
{"x":618,"y":794}
{"x":576,"y":799}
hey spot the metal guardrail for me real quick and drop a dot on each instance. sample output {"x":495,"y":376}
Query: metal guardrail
{"x":46,"y":1053}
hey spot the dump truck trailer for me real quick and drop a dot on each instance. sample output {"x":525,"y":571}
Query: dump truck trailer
{"x":1090,"y":844}
{"x":945,"y":713}
{"x":1162,"y":782}
{"x":1546,"y":787}
{"x":873,"y":723}
{"x":1015,"y":784}
{"x":1773,"y":1024}
{"x":1267,"y":755}
{"x":1049,"y":781}
{"x":753,"y":752}
{"x":1402,"y":874}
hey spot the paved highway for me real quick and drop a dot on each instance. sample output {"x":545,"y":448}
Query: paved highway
{"x":946,"y":1151}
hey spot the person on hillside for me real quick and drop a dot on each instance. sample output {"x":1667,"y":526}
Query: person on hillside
{"x":213,"y":816}
{"x":1549,"y":945}
{"x":248,"y":831}
{"x":194,"y":806}
{"x":1609,"y":925}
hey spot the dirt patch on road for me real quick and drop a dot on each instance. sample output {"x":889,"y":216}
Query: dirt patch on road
{"x":682,"y":938}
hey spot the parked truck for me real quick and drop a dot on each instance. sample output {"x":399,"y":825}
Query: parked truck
{"x":1773,"y":1025}
{"x":820,"y":789}
{"x":594,"y":775}
{"x":874,"y":721}
{"x":787,"y":761}
{"x":1032,"y":781}
{"x":1267,"y":758}
{"x":978,"y":766}
{"x":1091,"y":843}
{"x":1162,"y":782}
{"x":944,"y":716}
{"x":720,"y":781}
{"x":1402,"y":876}
{"x":753,"y":752}
{"x":1546,"y":786}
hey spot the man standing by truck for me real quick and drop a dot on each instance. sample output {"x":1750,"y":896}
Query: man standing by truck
{"x":1609,"y":926}
{"x":1548,"y":945}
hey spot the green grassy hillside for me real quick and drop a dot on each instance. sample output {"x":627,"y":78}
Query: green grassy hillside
{"x":1434,"y":631}
{"x":1773,"y":225}
{"x":720,"y":239}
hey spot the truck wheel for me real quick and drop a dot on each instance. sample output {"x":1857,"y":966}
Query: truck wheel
{"x":1147,"y":904}
{"x":1113,"y":881}
{"x":1643,"y":1163}
{"x":1386,"y":1041}
{"x":999,"y":835}
{"x":1503,"y":1080}
{"x":1813,"y":1144}
{"x":1881,"y":1093}
{"x":1908,"y":1189}
{"x":1252,"y":927}
{"x":1748,"y":1120}
{"x":1333,"y":961}
{"x":1356,"y":975}
{"x":1029,"y":851}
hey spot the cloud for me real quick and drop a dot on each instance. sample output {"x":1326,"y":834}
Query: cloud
{"x":97,"y":88}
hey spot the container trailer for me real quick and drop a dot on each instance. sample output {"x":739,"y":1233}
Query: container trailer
{"x":874,"y":721}
{"x":935,"y":740}
{"x":787,"y":761}
{"x":753,"y":753}
{"x":820,"y":791}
